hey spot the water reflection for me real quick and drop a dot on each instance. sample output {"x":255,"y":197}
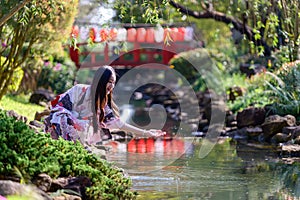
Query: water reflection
{"x":172,"y":169}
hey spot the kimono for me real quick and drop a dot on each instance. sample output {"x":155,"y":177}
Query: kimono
{"x":71,"y":117}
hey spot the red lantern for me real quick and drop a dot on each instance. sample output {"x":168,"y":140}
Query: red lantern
{"x":131,"y":35}
{"x":173,"y":34}
{"x":92,"y":34}
{"x":141,"y":34}
{"x":104,"y":36}
{"x":75,"y":31}
{"x":181,"y":33}
{"x":150,"y":35}
{"x":113,"y":34}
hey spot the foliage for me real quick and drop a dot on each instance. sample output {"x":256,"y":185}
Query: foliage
{"x":285,"y":89}
{"x":35,"y":31}
{"x":279,"y":89}
{"x":203,"y":68}
{"x":266,"y":25}
{"x":254,"y":91}
{"x":145,"y":12}
{"x":16,"y":78}
{"x":56,"y":76}
{"x":20,"y":104}
{"x":33,"y":154}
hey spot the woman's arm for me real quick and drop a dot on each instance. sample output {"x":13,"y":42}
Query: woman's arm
{"x":118,"y":124}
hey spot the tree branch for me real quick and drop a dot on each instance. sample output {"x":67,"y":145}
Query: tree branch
{"x":5,"y":18}
{"x":218,"y":16}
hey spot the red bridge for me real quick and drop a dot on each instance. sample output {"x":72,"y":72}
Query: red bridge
{"x":128,"y":46}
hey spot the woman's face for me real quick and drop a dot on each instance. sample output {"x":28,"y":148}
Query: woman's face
{"x":110,"y":84}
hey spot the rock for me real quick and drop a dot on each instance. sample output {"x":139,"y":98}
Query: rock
{"x":41,"y":95}
{"x":275,"y":124}
{"x":12,"y":113}
{"x":66,"y":197}
{"x":251,"y":116}
{"x":30,"y":191}
{"x":290,"y":120}
{"x":253,"y":131}
{"x":281,"y":138}
{"x":43,"y":182}
{"x":289,"y":129}
{"x":272,"y":125}
{"x":37,"y":124}
{"x":296,"y":131}
{"x":297,"y":140}
{"x":77,"y":184}
{"x":230,"y":120}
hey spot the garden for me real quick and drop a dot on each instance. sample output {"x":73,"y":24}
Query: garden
{"x":244,"y":72}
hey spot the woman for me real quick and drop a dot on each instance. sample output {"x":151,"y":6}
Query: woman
{"x":87,"y":112}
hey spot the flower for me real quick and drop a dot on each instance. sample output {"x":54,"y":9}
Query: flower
{"x":57,"y":67}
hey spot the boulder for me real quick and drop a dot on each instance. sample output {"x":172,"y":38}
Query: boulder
{"x":251,"y":116}
{"x":77,"y":184}
{"x":41,"y":95}
{"x":30,"y":191}
{"x":275,"y":124}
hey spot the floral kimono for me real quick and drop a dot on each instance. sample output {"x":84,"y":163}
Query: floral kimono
{"x":71,"y":117}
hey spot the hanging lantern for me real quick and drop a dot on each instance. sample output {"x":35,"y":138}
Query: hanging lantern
{"x":141,"y":34}
{"x":75,"y":31}
{"x":131,"y":35}
{"x":189,"y":32}
{"x":104,"y":35}
{"x":121,"y":34}
{"x":92,"y":34}
{"x":173,"y":34}
{"x":83,"y":33}
{"x":113,"y":34}
{"x":150,"y":35}
{"x":159,"y":34}
{"x":181,"y":33}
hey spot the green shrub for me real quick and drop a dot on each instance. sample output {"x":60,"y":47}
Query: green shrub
{"x":207,"y":72}
{"x":30,"y":154}
{"x":56,"y":75}
{"x":285,"y":90}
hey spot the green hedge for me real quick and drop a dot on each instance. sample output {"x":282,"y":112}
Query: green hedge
{"x":30,"y":154}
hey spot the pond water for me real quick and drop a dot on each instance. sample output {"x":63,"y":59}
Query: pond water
{"x":172,"y":169}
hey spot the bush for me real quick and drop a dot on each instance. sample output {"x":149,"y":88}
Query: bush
{"x":31,"y":154}
{"x":285,"y":89}
{"x":56,"y":76}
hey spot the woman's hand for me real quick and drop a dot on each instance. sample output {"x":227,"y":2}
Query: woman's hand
{"x":154,"y":133}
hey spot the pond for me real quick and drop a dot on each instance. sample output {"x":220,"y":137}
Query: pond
{"x":172,"y":169}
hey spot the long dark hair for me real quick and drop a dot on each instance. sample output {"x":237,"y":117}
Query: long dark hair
{"x":99,"y":96}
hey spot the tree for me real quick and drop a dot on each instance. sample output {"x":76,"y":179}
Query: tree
{"x":267,"y":25}
{"x":37,"y":29}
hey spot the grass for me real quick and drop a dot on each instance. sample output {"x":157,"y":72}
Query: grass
{"x":20,"y":104}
